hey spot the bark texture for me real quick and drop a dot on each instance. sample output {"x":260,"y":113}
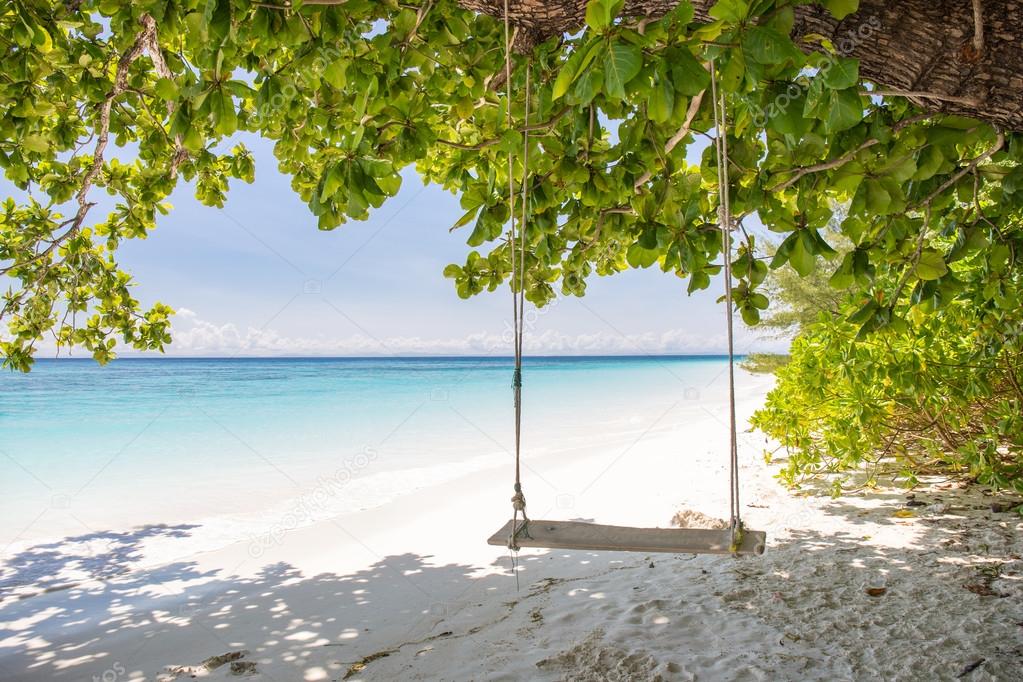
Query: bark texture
{"x":923,"y":49}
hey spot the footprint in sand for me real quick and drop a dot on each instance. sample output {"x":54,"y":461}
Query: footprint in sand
{"x":594,"y":660}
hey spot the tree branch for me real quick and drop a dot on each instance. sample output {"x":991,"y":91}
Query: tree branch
{"x":845,"y":158}
{"x":531,"y":128}
{"x":886,"y":92}
{"x":694,"y":107}
{"x":999,"y":142}
{"x":818,"y":167}
{"x":146,"y":40}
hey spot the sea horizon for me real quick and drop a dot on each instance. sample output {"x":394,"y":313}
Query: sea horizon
{"x":402,"y":356}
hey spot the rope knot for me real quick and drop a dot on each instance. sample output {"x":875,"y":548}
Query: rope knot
{"x":518,"y":500}
{"x":517,"y":378}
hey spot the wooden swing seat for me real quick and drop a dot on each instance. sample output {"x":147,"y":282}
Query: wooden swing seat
{"x":592,"y":536}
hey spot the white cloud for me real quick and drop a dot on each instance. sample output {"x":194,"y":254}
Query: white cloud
{"x":194,"y":336}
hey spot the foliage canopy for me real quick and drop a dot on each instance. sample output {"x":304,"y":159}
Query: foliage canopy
{"x":353,"y":93}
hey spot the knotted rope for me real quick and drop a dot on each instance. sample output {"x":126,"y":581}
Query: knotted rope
{"x":725,"y":223}
{"x":518,"y":260}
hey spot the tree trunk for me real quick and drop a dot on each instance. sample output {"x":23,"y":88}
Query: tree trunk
{"x":924,"y":49}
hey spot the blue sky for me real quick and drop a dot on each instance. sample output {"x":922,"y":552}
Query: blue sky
{"x":258,"y":278}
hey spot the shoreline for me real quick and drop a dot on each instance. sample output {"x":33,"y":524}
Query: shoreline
{"x":351,"y":489}
{"x":410,"y":590}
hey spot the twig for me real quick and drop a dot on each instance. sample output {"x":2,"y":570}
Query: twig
{"x":969,"y":101}
{"x":845,"y":158}
{"x":694,"y":107}
{"x":146,"y":40}
{"x":826,"y":165}
{"x":916,"y":255}
{"x":620,"y":210}
{"x":531,"y":128}
{"x":999,"y":141}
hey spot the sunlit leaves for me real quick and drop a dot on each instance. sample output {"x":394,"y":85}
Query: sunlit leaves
{"x":930,"y":265}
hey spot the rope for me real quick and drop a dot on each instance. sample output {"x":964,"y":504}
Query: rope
{"x":518,"y":260}
{"x":725,"y":222}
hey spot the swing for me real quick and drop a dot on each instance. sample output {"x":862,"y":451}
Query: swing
{"x":527,"y":532}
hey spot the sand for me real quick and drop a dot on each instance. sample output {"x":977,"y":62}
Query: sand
{"x":855,"y":588}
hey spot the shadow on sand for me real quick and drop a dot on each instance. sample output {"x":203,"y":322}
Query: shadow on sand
{"x":77,"y":558}
{"x":952,"y":593}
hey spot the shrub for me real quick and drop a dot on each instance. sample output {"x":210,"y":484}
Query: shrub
{"x":940,"y":393}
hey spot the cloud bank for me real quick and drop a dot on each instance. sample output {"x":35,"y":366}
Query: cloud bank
{"x":194,"y":336}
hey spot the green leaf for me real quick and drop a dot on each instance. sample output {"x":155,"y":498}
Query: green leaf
{"x":578,"y":61}
{"x":166,"y":89}
{"x":566,"y":76}
{"x":786,"y":116}
{"x":734,"y":71}
{"x":224,"y":117}
{"x":687,"y":73}
{"x":878,"y":198}
{"x":931,"y":265}
{"x":661,"y":100}
{"x":35,"y":143}
{"x":843,"y":277}
{"x":801,"y":259}
{"x":41,"y":40}
{"x":466,"y":218}
{"x":864,"y":313}
{"x":759,"y":301}
{"x":841,"y":73}
{"x":781,"y":256}
{"x":621,"y":64}
{"x":587,"y":87}
{"x":846,"y":110}
{"x":929,"y":162}
{"x":750,"y":315}
{"x":336,"y":74}
{"x":767,"y":46}
{"x":639,"y":257}
{"x":732,"y":11}
{"x":600,"y":13}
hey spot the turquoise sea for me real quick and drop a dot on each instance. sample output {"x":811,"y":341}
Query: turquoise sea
{"x":85,"y":448}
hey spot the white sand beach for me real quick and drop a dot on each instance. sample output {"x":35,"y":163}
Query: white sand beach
{"x":409,"y":590}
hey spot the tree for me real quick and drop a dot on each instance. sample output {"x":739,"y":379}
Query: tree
{"x":940,"y":393}
{"x":352,"y":93}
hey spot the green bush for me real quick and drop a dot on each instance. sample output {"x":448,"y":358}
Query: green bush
{"x":939,"y":393}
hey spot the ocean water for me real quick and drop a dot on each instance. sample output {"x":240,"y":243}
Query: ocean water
{"x":86,"y":449}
